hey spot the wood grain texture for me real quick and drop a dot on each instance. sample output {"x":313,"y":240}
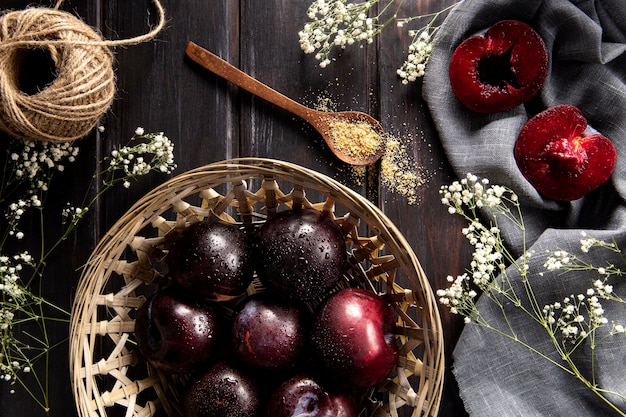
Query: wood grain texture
{"x":209,"y":120}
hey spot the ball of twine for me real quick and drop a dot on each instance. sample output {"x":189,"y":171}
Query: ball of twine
{"x":84,"y":85}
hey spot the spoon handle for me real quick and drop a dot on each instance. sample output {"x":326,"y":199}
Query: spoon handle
{"x":229,"y":72}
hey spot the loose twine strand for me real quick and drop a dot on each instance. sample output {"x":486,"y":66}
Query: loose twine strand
{"x":84,"y":85}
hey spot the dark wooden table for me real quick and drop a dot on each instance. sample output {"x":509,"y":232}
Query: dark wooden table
{"x":210,"y":120}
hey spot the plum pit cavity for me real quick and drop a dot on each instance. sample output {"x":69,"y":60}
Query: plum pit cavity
{"x":496,"y":70}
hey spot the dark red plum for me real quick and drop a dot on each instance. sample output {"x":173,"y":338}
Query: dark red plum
{"x":222,"y":391}
{"x":269,"y":332}
{"x":212,"y":259}
{"x":302,"y":396}
{"x":353,"y":337}
{"x":177,"y":333}
{"x":302,"y":253}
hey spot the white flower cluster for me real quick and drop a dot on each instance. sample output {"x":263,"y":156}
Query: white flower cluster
{"x":38,"y":156}
{"x":337,"y":24}
{"x":603,"y":290}
{"x":420,"y":49}
{"x":16,"y":210}
{"x":472,"y":193}
{"x":10,"y":285}
{"x":458,"y":297}
{"x":587,"y":243}
{"x":157,"y":154}
{"x":565,"y":261}
{"x":32,"y":164}
{"x":464,"y":197}
{"x":9,"y":370}
{"x":73,"y":214}
{"x":14,"y":298}
{"x":580,"y":315}
{"x":487,"y":259}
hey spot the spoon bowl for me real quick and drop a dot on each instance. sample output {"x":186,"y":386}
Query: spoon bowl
{"x":354,"y":137}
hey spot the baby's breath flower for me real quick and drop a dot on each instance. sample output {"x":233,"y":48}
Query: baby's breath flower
{"x":472,"y":193}
{"x":456,"y":298}
{"x":73,"y":214}
{"x":565,"y":261}
{"x":152,"y":152}
{"x":420,"y":48}
{"x":569,"y":322}
{"x":337,"y":23}
{"x":33,"y":164}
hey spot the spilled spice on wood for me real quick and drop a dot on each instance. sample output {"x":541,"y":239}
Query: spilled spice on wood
{"x":399,"y":172}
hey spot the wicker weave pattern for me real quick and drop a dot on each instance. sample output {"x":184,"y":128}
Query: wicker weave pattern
{"x":109,"y":376}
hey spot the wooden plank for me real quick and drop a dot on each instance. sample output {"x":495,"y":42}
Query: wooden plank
{"x":431,"y":231}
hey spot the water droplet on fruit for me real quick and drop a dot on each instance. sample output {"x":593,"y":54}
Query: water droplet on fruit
{"x":229,"y":381}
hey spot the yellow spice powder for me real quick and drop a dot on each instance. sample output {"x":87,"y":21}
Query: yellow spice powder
{"x":399,"y":172}
{"x":355,"y":139}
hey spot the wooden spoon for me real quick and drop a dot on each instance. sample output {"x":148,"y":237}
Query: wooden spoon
{"x":344,"y":131}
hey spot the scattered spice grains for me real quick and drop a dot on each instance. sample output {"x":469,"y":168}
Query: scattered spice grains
{"x":355,"y":139}
{"x":399,"y":172}
{"x":325,"y":104}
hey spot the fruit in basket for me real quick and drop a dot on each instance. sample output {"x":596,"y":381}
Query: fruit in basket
{"x":302,"y":253}
{"x":499,"y":70}
{"x":222,"y":391}
{"x":302,"y":396}
{"x":561,"y":156}
{"x":270,"y":333}
{"x":177,"y":333}
{"x":353,"y":337}
{"x":212,"y":259}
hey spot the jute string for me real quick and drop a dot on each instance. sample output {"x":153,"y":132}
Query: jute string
{"x":83,"y":88}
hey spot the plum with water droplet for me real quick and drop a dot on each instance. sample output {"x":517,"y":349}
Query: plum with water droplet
{"x":301,"y":253}
{"x":223,"y":391}
{"x":177,"y":333}
{"x":302,"y":396}
{"x":212,"y":259}
{"x":270,"y":333}
{"x":353,"y":336}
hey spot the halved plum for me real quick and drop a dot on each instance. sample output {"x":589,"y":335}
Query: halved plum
{"x":561,"y":156}
{"x":500,"y":70}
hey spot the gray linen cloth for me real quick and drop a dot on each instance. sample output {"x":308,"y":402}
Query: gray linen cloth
{"x":586,"y":41}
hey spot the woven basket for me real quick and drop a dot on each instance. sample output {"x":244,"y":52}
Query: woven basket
{"x":109,"y":376}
